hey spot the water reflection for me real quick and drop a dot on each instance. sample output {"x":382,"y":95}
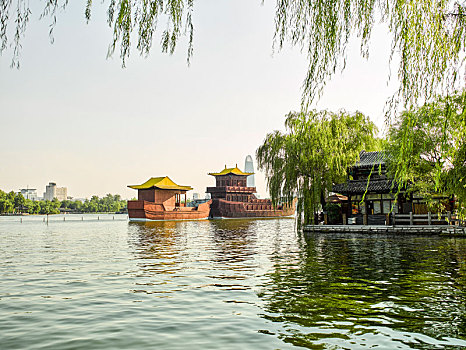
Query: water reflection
{"x":159,"y":249}
{"x":232,"y":250}
{"x":234,"y":242}
{"x":156,"y":240}
{"x":360,"y":291}
{"x":232,"y":284}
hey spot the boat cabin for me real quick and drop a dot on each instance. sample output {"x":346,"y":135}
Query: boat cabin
{"x":233,"y":198}
{"x":162,"y":192}
{"x":231,"y":185}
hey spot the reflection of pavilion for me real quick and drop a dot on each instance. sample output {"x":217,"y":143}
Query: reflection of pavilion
{"x":368,"y":281}
{"x":158,"y":250}
{"x":234,"y":250}
{"x":155,"y":227}
{"x":156,"y":240}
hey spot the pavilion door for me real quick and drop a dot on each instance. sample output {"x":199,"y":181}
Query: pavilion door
{"x":177,"y":199}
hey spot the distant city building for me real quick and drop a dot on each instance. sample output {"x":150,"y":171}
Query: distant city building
{"x":196,"y":196}
{"x":62,"y":193}
{"x":29,"y":193}
{"x":52,"y":191}
{"x":208,"y":196}
{"x":249,"y":168}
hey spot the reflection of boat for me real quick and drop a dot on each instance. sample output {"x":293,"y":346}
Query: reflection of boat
{"x":232,"y":198}
{"x":159,"y":198}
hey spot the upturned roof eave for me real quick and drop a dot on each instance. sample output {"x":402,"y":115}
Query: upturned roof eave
{"x":161,"y":183}
{"x":234,"y":171}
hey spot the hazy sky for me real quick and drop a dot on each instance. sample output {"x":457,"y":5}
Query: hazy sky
{"x":71,"y":116}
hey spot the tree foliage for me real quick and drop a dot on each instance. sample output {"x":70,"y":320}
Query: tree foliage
{"x":109,"y":203}
{"x":12,"y":202}
{"x":428,"y":149}
{"x":124,"y":17}
{"x":427,"y":35}
{"x":313,"y":153}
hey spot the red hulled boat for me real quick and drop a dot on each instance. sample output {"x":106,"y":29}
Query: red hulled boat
{"x":232,"y":198}
{"x":159,"y":198}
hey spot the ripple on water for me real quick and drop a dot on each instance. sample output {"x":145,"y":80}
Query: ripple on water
{"x":228,"y":284}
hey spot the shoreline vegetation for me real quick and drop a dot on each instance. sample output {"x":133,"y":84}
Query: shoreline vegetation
{"x":425,"y":149}
{"x":12,"y":203}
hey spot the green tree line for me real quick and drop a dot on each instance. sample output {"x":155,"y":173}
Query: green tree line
{"x":11,"y":202}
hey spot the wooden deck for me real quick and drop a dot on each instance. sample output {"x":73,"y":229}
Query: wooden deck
{"x":448,"y":230}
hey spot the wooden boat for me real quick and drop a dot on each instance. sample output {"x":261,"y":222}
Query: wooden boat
{"x":159,"y":198}
{"x":232,"y":198}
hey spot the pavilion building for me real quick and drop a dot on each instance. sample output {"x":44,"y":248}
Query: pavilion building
{"x":370,"y":195}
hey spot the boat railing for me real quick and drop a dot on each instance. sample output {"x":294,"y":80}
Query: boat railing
{"x":232,"y":189}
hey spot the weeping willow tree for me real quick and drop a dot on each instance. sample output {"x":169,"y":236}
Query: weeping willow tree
{"x":427,"y":36}
{"x":312,"y":154}
{"x":428,"y":151}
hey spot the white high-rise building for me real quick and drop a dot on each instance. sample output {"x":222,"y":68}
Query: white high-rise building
{"x":61,"y":193}
{"x":52,"y":191}
{"x":29,"y":193}
{"x":249,"y":168}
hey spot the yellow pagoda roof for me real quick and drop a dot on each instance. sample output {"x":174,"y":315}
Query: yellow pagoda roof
{"x":163,"y":183}
{"x":227,"y":171}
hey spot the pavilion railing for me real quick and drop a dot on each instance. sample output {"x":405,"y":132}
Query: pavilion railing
{"x":426,"y":219}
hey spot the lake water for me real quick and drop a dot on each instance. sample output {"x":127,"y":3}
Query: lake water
{"x":85,"y":283}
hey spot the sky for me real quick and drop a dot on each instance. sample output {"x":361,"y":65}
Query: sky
{"x":70,"y":115}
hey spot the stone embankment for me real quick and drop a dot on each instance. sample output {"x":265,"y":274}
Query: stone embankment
{"x":447,"y":230}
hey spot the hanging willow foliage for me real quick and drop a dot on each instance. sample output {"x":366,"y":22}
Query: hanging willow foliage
{"x":124,"y":17}
{"x":312,"y":155}
{"x":428,"y":36}
{"x":428,"y":151}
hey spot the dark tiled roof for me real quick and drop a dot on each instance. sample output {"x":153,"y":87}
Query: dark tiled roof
{"x":359,"y":186}
{"x":368,"y":159}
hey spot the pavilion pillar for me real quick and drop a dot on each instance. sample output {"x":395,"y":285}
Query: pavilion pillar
{"x":349,"y":209}
{"x":365,"y":216}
